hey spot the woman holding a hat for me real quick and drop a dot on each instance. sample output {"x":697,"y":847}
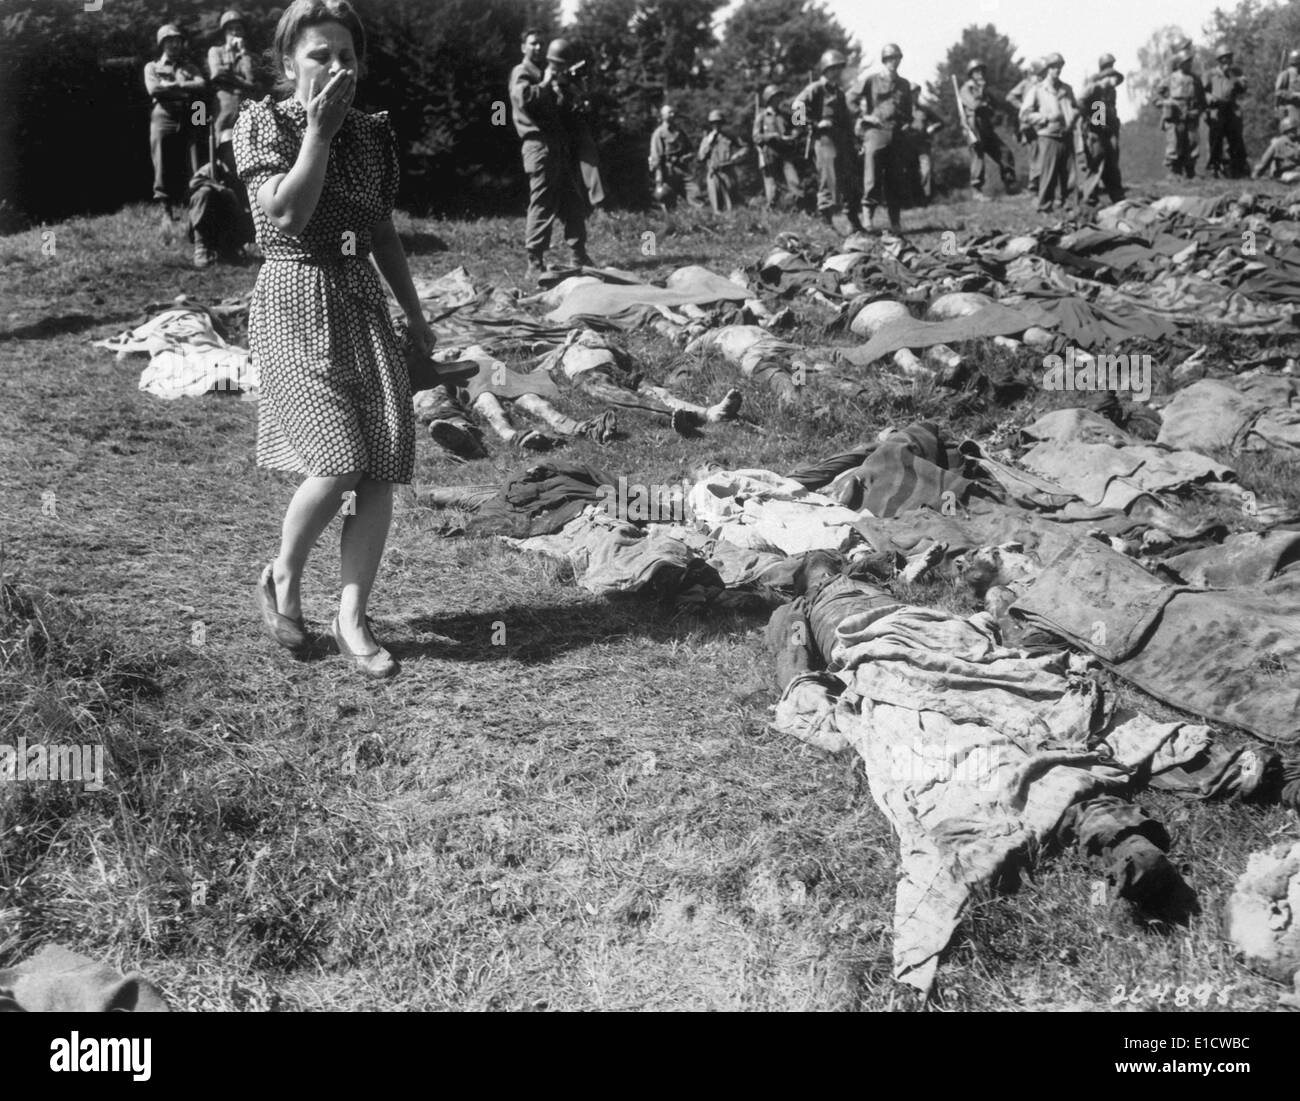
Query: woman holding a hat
{"x":175,"y":86}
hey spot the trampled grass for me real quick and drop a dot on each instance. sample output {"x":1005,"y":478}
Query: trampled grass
{"x":592,"y":815}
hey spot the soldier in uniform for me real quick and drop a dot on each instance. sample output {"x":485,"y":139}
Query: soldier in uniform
{"x":981,"y":107}
{"x":1286,"y":89}
{"x":718,"y":153}
{"x":233,"y":73}
{"x":1181,"y":99}
{"x":543,"y":105}
{"x":884,"y":102}
{"x":1025,"y":134}
{"x":1101,"y":132}
{"x":774,"y":138}
{"x":1050,"y":108}
{"x":925,"y":124}
{"x":824,"y":109}
{"x":1281,"y":160}
{"x":174,"y":85}
{"x":672,"y":162}
{"x":1224,"y":91}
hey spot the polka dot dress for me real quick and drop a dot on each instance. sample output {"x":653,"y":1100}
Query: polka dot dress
{"x":336,"y":397}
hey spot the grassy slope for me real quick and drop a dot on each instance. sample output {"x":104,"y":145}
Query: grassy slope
{"x":593,"y":815}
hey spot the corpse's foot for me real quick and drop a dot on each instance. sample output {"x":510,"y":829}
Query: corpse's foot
{"x":727,"y":409}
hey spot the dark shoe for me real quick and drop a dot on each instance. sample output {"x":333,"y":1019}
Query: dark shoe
{"x":581,"y":259}
{"x":377,"y":665}
{"x":203,"y":256}
{"x":459,"y":437}
{"x":685,"y":422}
{"x":289,"y":633}
{"x":536,"y":266}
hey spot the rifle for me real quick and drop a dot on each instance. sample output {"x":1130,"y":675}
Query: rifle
{"x":971,"y":139}
{"x":758,"y":115}
{"x":808,"y":129}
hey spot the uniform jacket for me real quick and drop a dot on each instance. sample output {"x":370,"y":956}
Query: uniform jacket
{"x":1099,"y":90}
{"x":230,"y":71}
{"x":717,"y":155}
{"x":1052,"y":112}
{"x":773,"y":130}
{"x":1286,"y":89}
{"x":671,"y":150}
{"x":172,"y":86}
{"x":1224,"y":90}
{"x":887,"y":97}
{"x":1282,"y":154}
{"x":826,"y":103}
{"x":1182,"y":92}
{"x":546,"y":113}
{"x":981,"y":104}
{"x":924,"y":121}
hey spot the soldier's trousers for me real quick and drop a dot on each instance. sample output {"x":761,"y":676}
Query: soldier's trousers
{"x":722,"y":189}
{"x":682,"y":186}
{"x":884,"y":172}
{"x":922,"y":167}
{"x":990,"y":145}
{"x":1103,"y":165}
{"x":555,"y":192}
{"x":1182,"y":143}
{"x":175,"y":155}
{"x":835,"y":175}
{"x":1225,"y":129}
{"x":778,"y":171}
{"x":1054,"y":159}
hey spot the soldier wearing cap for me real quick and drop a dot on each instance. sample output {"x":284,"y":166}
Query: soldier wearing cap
{"x":1286,"y":89}
{"x":824,"y":109}
{"x":1281,"y":160}
{"x":544,"y":106}
{"x":920,"y":133}
{"x":1101,"y":131}
{"x":233,"y":73}
{"x":1051,"y":109}
{"x":981,"y":106}
{"x":719,"y":154}
{"x":1025,"y":134}
{"x":673,"y":162}
{"x":174,"y":86}
{"x":774,"y":138}
{"x":1223,"y":92}
{"x":884,"y":102}
{"x":1181,"y":99}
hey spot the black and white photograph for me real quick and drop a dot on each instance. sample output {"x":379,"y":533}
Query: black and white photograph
{"x":651,"y":506}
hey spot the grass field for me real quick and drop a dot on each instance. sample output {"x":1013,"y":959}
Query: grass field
{"x":593,"y":815}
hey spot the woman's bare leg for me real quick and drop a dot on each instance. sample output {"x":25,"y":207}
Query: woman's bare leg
{"x":313,"y":506}
{"x":361,"y":548}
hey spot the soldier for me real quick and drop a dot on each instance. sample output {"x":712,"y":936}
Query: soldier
{"x":1025,"y":134}
{"x":884,"y":101}
{"x":1050,"y":108}
{"x":1181,"y":99}
{"x":233,"y":73}
{"x":925,"y":124}
{"x":1286,"y":89}
{"x":823,"y":108}
{"x":980,"y":106}
{"x":174,"y":85}
{"x":672,"y":162}
{"x":543,"y":105}
{"x":1101,"y":132}
{"x":1223,"y":94}
{"x":1281,"y":160}
{"x":774,"y":138}
{"x":718,"y":153}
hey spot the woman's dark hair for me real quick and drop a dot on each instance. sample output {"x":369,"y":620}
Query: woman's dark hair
{"x":302,"y":14}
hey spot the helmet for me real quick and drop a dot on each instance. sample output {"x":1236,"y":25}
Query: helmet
{"x":1293,"y":58}
{"x":1036,"y":66}
{"x":561,"y":52}
{"x":1106,"y":61}
{"x":662,"y":192}
{"x":1053,"y":61}
{"x":770,"y":91}
{"x":1222,"y":50}
{"x":231,"y":16}
{"x":831,"y":59}
{"x":1287,"y":125}
{"x":168,"y":30}
{"x":1183,"y":57}
{"x":890,"y":50}
{"x":973,"y":64}
{"x":1181,"y":44}
{"x":716,"y":116}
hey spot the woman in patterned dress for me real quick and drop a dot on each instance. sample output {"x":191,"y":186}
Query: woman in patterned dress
{"x":336,"y":396}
